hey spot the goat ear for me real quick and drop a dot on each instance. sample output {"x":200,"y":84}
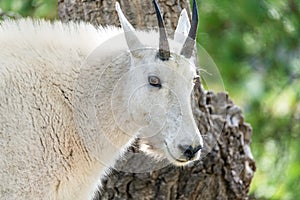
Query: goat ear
{"x":132,"y":40}
{"x":183,"y":27}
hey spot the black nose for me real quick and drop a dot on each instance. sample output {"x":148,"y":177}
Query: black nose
{"x":189,"y":151}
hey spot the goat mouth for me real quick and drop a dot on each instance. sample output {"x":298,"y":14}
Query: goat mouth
{"x":174,"y":159}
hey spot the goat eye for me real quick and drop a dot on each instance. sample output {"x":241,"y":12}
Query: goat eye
{"x":154,"y":81}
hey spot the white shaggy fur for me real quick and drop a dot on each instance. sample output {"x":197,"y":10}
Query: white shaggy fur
{"x":42,"y":154}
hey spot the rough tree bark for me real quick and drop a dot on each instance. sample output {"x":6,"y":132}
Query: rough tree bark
{"x":226,"y":170}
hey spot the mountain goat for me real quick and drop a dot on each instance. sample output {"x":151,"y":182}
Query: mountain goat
{"x":69,"y":110}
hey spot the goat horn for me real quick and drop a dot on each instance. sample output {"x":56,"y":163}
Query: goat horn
{"x":188,"y":46}
{"x":164,"y":49}
{"x":132,"y":40}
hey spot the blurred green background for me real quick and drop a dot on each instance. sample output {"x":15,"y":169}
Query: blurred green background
{"x":33,"y":8}
{"x":256,"y":45}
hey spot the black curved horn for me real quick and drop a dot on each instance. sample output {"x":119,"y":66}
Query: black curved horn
{"x":188,"y":46}
{"x":164,"y":49}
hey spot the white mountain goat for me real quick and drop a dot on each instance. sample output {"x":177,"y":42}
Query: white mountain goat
{"x":67,"y":115}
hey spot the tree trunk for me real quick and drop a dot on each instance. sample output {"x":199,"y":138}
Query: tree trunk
{"x":226,"y":168}
{"x":139,"y":12}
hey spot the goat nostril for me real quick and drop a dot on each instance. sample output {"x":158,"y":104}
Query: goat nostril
{"x":197,"y":148}
{"x":189,"y":151}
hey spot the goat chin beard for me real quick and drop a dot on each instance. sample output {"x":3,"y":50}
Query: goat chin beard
{"x":161,"y":154}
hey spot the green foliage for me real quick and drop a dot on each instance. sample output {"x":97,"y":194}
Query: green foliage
{"x":256,"y":46}
{"x":33,"y":8}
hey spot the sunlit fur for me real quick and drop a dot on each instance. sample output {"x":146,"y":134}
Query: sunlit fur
{"x":43,"y":156}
